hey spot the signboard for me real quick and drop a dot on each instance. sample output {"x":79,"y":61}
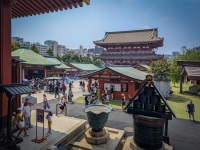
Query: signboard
{"x":40,"y":115}
{"x":32,"y":99}
{"x":116,"y":87}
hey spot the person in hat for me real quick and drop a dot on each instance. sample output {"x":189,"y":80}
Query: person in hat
{"x":19,"y":122}
{"x":123,"y":101}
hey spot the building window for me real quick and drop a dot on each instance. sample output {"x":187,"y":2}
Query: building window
{"x":124,"y":88}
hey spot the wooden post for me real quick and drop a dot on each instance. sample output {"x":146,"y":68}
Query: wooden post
{"x":181,"y":84}
{"x":5,"y":55}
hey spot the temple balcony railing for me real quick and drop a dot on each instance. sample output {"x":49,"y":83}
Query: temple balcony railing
{"x":129,"y":52}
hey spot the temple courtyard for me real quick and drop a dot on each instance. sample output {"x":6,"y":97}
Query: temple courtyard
{"x":183,"y":134}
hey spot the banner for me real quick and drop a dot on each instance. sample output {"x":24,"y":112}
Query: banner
{"x":40,"y":115}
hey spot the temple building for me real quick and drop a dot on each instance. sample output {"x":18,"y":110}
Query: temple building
{"x":130,"y":47}
{"x":37,"y":66}
{"x":124,"y":79}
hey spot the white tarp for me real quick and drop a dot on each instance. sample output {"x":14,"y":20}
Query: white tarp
{"x":32,"y":99}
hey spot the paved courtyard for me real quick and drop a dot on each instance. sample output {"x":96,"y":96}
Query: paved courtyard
{"x":183,"y":134}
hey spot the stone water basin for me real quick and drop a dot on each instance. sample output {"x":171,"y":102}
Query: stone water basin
{"x":97,"y":116}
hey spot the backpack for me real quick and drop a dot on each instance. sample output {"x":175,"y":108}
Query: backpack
{"x":63,"y":103}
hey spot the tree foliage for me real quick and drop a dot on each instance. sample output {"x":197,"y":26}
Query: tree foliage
{"x":34,"y":48}
{"x":97,"y":63}
{"x":15,"y":46}
{"x":67,"y":58}
{"x":160,"y":68}
{"x":49,"y":52}
{"x":170,"y":68}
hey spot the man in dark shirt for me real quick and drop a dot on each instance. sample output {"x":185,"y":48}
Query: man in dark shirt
{"x":191,"y":109}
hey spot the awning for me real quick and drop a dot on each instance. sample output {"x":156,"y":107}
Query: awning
{"x":15,"y":89}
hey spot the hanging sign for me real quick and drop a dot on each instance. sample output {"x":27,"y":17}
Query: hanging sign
{"x":40,"y":115}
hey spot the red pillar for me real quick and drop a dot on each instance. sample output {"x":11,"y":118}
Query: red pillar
{"x":5,"y":52}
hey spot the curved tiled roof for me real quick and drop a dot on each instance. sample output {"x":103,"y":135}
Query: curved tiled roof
{"x":85,"y":66}
{"x":61,"y":66}
{"x":134,"y":36}
{"x":22,"y":8}
{"x":32,"y":58}
{"x":127,"y":71}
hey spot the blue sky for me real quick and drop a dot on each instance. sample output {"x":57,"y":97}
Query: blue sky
{"x":178,"y":21}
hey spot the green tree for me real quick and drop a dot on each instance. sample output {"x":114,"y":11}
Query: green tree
{"x":74,"y":58}
{"x":15,"y":46}
{"x":66,"y":57}
{"x":187,"y":54}
{"x":97,"y":63}
{"x":160,"y":67}
{"x":175,"y":71}
{"x":59,"y":58}
{"x":49,"y":52}
{"x":34,"y":48}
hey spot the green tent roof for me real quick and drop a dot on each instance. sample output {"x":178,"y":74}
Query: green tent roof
{"x":61,"y":66}
{"x":127,"y":71}
{"x":32,"y":58}
{"x":85,"y":66}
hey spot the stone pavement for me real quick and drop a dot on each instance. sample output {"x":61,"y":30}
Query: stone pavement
{"x":183,"y":134}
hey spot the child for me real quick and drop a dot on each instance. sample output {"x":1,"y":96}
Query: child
{"x":49,"y":118}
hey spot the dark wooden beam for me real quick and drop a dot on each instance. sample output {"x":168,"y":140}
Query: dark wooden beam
{"x":73,"y":3}
{"x":67,"y":3}
{"x":18,"y":12}
{"x":45,"y":8}
{"x":55,"y":5}
{"x":30,"y":3}
{"x":45,"y":2}
{"x":25,"y":8}
{"x":40,"y":7}
{"x":62,"y":5}
{"x":29,"y":6}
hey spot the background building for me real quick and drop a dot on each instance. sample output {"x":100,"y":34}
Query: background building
{"x":130,"y":47}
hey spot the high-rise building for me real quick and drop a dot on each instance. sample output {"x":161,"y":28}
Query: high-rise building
{"x":17,"y":40}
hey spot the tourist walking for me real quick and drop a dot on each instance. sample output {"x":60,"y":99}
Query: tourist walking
{"x":45,"y":102}
{"x":56,"y":91}
{"x":63,"y":88}
{"x":62,"y":106}
{"x":123,"y":101}
{"x":27,"y":114}
{"x":83,"y":85}
{"x":49,"y":119}
{"x":70,"y":95}
{"x":18,"y":121}
{"x":190,"y":110}
{"x":70,"y":85}
{"x":80,"y":84}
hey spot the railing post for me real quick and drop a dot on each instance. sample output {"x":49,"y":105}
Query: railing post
{"x":57,"y":109}
{"x":66,"y":111}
